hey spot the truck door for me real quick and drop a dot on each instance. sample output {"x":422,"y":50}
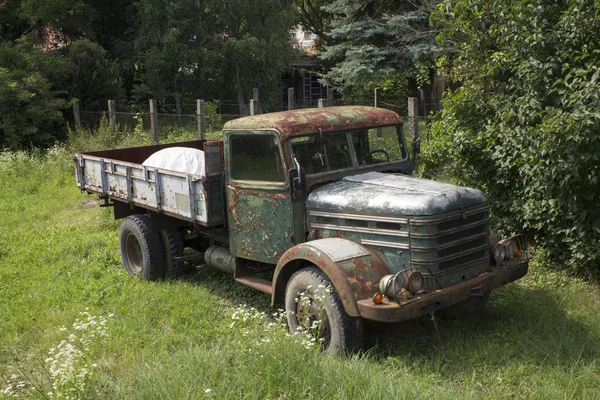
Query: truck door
{"x":258,"y":197}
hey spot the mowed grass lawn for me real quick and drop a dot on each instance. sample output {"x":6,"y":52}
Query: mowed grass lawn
{"x":59,"y":256}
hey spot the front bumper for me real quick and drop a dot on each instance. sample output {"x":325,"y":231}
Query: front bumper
{"x":390,"y":311}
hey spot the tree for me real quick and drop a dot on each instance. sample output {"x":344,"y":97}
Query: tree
{"x":375,"y":38}
{"x":525,"y":125}
{"x":31,"y":109}
{"x":212,"y":49}
{"x":90,"y":76}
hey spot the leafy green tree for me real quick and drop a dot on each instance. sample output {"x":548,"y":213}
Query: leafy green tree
{"x":525,"y":125}
{"x":212,"y":49}
{"x":31,"y":109}
{"x":90,"y":76}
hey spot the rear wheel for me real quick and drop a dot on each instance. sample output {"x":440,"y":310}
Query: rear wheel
{"x":141,"y":251}
{"x":313,"y":306}
{"x":173,"y":249}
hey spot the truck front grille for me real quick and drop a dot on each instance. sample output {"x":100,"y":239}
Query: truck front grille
{"x":452,"y":240}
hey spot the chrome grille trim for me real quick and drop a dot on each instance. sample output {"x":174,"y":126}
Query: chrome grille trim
{"x":436,"y":219}
{"x":360,"y":217}
{"x":359,"y":230}
{"x":381,"y":243}
{"x":450,"y":244}
{"x":449,"y":231}
{"x":447,"y":258}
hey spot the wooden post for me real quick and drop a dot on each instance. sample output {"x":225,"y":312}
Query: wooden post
{"x":154,"y":120}
{"x":413,"y":114}
{"x":112,"y":112}
{"x":254,"y":107}
{"x":76,"y":113}
{"x":321,"y":103}
{"x":377,"y":97}
{"x":178,"y":109}
{"x":201,"y":115}
{"x":257,"y":109}
{"x":291,"y":98}
{"x":329,"y":96}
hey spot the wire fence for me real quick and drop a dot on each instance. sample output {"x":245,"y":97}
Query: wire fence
{"x":186,"y":117}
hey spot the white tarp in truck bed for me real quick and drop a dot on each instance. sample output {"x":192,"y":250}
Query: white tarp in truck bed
{"x":180,"y":159}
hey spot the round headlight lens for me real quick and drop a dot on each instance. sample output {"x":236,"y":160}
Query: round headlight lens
{"x":498,"y":253}
{"x":510,"y":249}
{"x":388,"y":286}
{"x":415,"y":282}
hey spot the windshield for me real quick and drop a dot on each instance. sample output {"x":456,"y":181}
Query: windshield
{"x":348,"y":149}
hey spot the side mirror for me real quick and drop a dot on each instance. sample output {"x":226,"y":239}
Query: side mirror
{"x":298,"y":184}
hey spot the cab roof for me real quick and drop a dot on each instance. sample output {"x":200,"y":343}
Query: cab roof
{"x":307,"y":121}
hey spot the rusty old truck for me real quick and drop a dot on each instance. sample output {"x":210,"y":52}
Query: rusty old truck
{"x":292,"y":202}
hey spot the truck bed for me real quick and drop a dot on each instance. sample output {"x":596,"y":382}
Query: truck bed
{"x":120,"y":176}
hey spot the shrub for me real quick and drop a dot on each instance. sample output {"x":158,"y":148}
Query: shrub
{"x":525,"y":125}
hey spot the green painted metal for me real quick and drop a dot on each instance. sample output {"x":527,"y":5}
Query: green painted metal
{"x":259,"y":214}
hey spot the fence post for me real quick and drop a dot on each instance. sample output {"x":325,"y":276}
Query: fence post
{"x":329,"y":96}
{"x":291,"y":98}
{"x":112,"y":112}
{"x":76,"y":113}
{"x":377,"y":97}
{"x":321,"y":103}
{"x":255,"y":97}
{"x":254,"y":107}
{"x":413,"y":114}
{"x":154,"y":120}
{"x":201,"y":116}
{"x":178,"y":109}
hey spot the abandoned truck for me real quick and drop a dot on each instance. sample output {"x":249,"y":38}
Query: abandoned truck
{"x":294,"y":201}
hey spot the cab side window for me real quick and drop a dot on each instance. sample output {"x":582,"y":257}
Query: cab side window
{"x":256,"y":157}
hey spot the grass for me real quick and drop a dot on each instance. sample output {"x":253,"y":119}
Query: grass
{"x":59,"y":255}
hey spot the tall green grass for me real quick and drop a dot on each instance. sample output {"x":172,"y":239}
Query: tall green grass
{"x":59,"y":255}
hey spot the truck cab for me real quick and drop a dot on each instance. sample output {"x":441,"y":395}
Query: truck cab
{"x":321,"y":211}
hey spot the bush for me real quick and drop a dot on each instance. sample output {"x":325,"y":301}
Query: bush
{"x":525,"y":125}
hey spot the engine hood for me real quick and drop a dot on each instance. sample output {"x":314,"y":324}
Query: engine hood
{"x":380,"y":193}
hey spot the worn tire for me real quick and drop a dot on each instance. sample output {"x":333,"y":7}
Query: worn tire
{"x":141,"y":250}
{"x":341,"y":332}
{"x":172,"y":247}
{"x":472,"y":306}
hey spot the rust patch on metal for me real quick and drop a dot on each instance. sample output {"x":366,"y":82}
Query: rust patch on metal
{"x":307,"y":121}
{"x":353,"y":279}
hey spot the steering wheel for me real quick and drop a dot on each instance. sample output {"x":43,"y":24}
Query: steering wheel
{"x":370,"y":154}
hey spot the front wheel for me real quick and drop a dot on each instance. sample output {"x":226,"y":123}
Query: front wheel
{"x":141,"y":249}
{"x":313,"y":306}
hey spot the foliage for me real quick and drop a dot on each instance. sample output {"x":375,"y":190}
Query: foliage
{"x":371,"y":39}
{"x":394,"y":91}
{"x":525,"y":125}
{"x":31,"y":109}
{"x":212,"y":49}
{"x":90,"y":76}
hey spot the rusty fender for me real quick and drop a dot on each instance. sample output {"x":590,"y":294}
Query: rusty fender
{"x":353,"y":270}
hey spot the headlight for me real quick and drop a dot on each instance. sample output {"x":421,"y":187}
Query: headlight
{"x":498,"y":253}
{"x":414,"y":282}
{"x":388,"y":285}
{"x":393,"y":285}
{"x":510,"y":249}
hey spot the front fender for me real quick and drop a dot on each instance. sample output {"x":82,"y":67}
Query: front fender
{"x":354,"y":271}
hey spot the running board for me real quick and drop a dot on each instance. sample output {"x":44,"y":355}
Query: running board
{"x":257,"y":283}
